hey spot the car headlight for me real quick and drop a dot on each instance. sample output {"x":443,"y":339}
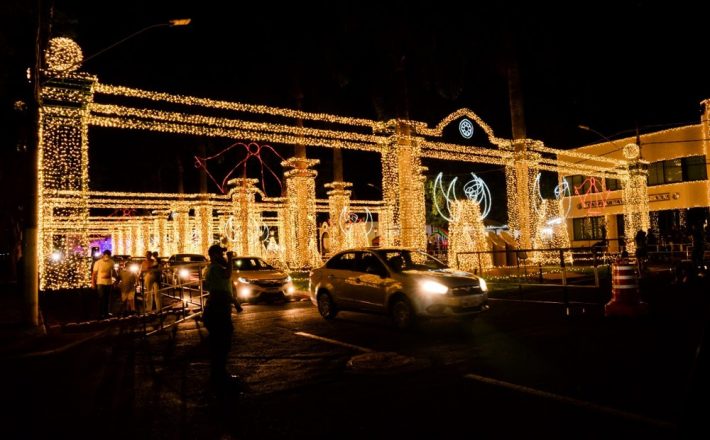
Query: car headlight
{"x":482,"y":283}
{"x":434,"y":287}
{"x":184,"y":273}
{"x":134,"y":268}
{"x":243,"y":280}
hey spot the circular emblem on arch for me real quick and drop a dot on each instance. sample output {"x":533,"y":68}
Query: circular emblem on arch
{"x":466,"y":128}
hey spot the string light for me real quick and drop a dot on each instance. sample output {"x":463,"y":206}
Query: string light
{"x":338,"y":203}
{"x":467,"y":233}
{"x":65,"y":199}
{"x":300,"y":221}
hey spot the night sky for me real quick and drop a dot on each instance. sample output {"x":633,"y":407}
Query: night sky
{"x":612,"y":66}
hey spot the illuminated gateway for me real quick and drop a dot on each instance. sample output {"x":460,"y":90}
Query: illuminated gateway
{"x":73,"y":101}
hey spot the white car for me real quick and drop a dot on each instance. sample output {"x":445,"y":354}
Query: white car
{"x":254,"y":280}
{"x":406,"y":284}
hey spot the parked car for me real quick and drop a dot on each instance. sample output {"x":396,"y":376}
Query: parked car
{"x":404,"y":283}
{"x":254,"y":280}
{"x":184,"y":268}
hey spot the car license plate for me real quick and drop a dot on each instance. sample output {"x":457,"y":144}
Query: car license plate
{"x":468,"y":302}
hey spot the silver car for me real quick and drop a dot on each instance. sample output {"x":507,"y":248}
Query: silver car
{"x":406,"y":284}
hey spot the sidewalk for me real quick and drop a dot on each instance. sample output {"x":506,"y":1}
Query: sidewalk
{"x":18,"y":340}
{"x":67,"y":319}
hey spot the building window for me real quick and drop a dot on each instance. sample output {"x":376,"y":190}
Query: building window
{"x":588,"y":228}
{"x":655,"y":173}
{"x":685,"y":169}
{"x":695,"y":168}
{"x":673,"y":171}
{"x":612,"y":184}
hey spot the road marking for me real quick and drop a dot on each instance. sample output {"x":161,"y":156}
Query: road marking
{"x":574,"y":402}
{"x":333,"y":341}
{"x":539,"y":301}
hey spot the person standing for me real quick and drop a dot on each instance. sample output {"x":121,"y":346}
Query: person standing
{"x":102,"y":279}
{"x":127,"y":284}
{"x":217,"y":315}
{"x":149,"y":271}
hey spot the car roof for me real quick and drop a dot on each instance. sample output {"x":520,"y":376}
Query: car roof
{"x":378,"y":248}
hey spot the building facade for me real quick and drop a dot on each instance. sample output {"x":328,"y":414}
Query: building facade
{"x":678,"y":188}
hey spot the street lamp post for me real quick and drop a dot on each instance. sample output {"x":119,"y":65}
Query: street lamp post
{"x":30,"y":284}
{"x":170,"y":23}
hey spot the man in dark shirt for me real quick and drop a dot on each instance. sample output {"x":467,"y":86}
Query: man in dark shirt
{"x":217,"y":315}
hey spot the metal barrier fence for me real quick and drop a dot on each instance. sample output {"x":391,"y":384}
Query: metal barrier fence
{"x":553,"y":267}
{"x":181,"y":293}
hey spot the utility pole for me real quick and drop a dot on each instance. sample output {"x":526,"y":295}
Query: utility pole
{"x":30,"y":281}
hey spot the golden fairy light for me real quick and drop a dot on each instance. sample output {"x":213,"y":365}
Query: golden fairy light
{"x":189,"y":222}
{"x":338,"y":203}
{"x":468,"y":240}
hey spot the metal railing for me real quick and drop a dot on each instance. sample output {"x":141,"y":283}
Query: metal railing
{"x":552,"y":267}
{"x":182,"y":293}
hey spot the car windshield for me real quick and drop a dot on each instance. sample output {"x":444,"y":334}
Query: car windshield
{"x":399,"y":260}
{"x":251,"y":264}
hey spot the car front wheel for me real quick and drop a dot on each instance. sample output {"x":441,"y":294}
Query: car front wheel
{"x":326,"y":307}
{"x":403,"y":314}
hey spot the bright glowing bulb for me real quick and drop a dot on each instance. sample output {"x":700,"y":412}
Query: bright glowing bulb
{"x":434,"y":287}
{"x":483,"y":284}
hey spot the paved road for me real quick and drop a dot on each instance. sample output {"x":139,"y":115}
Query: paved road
{"x":523,"y":368}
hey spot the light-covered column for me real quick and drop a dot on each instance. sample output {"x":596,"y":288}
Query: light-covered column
{"x":63,"y":171}
{"x":135,"y":234}
{"x":403,"y":189}
{"x":300,"y":213}
{"x":203,"y":226}
{"x":243,"y":229}
{"x":144,"y":244}
{"x":635,"y":197}
{"x":119,"y":240}
{"x":520,"y":178}
{"x":338,"y":207}
{"x":181,"y":228}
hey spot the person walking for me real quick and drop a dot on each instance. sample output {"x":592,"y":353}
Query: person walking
{"x":217,"y":315}
{"x":103,"y":275}
{"x":149,"y":272}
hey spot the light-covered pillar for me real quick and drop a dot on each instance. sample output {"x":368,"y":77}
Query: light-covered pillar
{"x":63,"y":171}
{"x":145,"y":236}
{"x":300,"y":213}
{"x":635,"y":197}
{"x":181,"y":228}
{"x":338,"y":207}
{"x":403,"y":189}
{"x":203,"y":226}
{"x":243,"y":229}
{"x":135,"y":234}
{"x":119,"y":240}
{"x":520,"y":178}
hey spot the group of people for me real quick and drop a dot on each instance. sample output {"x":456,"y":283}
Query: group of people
{"x":217,"y":315}
{"x":105,"y":279}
